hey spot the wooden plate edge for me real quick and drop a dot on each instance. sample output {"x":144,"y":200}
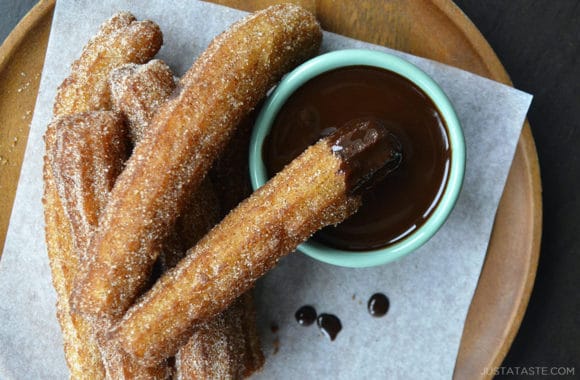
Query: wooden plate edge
{"x":18,"y":34}
{"x":528,"y":147}
{"x":8,"y":50}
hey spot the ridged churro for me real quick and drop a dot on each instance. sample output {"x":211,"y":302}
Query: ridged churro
{"x":138,"y":90}
{"x":186,"y":135}
{"x":120,"y":40}
{"x":86,"y":151}
{"x":227,"y":346}
{"x":82,"y":353}
{"x":120,"y":366}
{"x":317,"y":189}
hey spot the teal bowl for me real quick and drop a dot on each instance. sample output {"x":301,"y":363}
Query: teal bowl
{"x":356,"y":57}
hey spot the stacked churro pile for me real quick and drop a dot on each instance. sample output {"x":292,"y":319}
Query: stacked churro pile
{"x":147,"y":286}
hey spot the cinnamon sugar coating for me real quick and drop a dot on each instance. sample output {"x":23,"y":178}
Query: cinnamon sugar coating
{"x":225,"y":347}
{"x":187,"y":134}
{"x":84,"y":154}
{"x":82,"y":354}
{"x":69,"y":221}
{"x":310,"y":193}
{"x":87,"y":152}
{"x":120,"y":40}
{"x":228,"y":344}
{"x":138,"y":90}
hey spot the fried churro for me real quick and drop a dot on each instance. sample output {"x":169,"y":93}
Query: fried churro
{"x":317,"y":189}
{"x":86,"y":151}
{"x":228,"y":345}
{"x":187,"y":134}
{"x":138,"y":90}
{"x":82,"y":354}
{"x":84,"y":154}
{"x":120,"y":39}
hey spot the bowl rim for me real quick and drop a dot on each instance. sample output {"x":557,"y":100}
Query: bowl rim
{"x":360,"y":57}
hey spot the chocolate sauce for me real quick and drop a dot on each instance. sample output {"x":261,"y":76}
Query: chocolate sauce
{"x":305,"y":316}
{"x":329,"y":324}
{"x":369,"y":152}
{"x":403,"y":200}
{"x":378,"y":305}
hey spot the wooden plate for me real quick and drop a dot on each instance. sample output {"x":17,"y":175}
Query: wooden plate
{"x":434,"y":29}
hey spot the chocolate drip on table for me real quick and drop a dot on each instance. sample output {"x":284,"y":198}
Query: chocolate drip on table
{"x":329,"y":324}
{"x":306,"y":315}
{"x":378,"y":305}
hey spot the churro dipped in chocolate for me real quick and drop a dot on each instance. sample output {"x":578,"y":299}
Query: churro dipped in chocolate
{"x":317,"y":189}
{"x":226,"y":346}
{"x":138,"y":90}
{"x":186,"y":135}
{"x":69,"y":221}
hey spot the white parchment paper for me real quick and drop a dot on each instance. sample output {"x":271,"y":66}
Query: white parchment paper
{"x":430,"y":290}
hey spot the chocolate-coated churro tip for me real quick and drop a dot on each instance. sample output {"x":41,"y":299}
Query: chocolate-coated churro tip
{"x":368,"y":151}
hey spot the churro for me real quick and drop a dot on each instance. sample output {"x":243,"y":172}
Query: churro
{"x":186,"y":135}
{"x":227,"y":346}
{"x":317,"y":189}
{"x":87,"y":152}
{"x":120,"y":39}
{"x":82,"y":354}
{"x":138,"y":90}
{"x":84,"y":153}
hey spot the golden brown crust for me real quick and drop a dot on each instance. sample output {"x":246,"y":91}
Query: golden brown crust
{"x":228,"y":345}
{"x":186,"y":135}
{"x":211,"y":352}
{"x":119,"y":366}
{"x":120,"y":40}
{"x":138,"y":90}
{"x":84,"y":154}
{"x":253,"y":354}
{"x":225,"y":347}
{"x":308,"y":194}
{"x":81,"y":352}
{"x":87,"y":152}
